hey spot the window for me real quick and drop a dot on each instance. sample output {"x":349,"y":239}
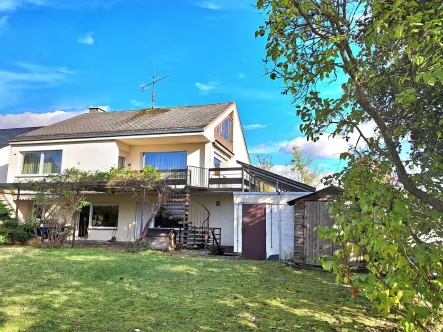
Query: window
{"x":217,"y":164}
{"x":121,"y":162}
{"x":166,"y":160}
{"x":42,"y":162}
{"x":224,"y":131}
{"x":103,"y":216}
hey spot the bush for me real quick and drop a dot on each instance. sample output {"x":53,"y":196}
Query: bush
{"x":12,"y":230}
{"x":4,"y":240}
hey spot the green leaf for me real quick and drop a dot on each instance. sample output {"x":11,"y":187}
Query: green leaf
{"x":421,"y":311}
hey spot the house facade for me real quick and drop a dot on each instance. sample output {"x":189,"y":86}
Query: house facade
{"x":200,"y":150}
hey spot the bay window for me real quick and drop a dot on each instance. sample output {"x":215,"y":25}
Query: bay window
{"x":42,"y":162}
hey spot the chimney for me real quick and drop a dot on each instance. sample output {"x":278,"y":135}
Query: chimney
{"x":96,"y":110}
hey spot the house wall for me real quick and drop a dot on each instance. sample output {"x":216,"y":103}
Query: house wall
{"x":220,"y":216}
{"x":4,"y":163}
{"x":279,"y":222}
{"x":195,"y":151}
{"x":126,"y":218}
{"x":100,"y":155}
{"x":130,"y":214}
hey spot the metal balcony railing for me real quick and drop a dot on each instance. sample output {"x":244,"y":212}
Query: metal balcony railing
{"x":212,"y":178}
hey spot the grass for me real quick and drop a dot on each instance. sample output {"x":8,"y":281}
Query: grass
{"x":99,"y":290}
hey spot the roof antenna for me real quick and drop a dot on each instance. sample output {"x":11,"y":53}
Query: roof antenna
{"x":154,"y":80}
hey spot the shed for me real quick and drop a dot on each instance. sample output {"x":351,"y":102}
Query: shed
{"x":264,"y":224}
{"x":309,"y":212}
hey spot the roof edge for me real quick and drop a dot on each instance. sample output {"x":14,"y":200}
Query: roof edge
{"x":114,"y":134}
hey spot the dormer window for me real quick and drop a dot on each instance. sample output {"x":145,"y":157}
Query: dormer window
{"x":224,"y":131}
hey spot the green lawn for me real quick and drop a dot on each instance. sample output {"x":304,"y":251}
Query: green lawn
{"x":98,"y":290}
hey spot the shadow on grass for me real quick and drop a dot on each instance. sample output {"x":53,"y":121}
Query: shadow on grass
{"x":90,"y":290}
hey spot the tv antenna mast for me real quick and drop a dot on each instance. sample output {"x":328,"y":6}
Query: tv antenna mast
{"x":152,"y":85}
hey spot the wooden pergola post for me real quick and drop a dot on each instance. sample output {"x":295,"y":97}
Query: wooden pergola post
{"x":16,"y":204}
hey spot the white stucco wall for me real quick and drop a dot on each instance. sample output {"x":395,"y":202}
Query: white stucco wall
{"x":220,"y":216}
{"x":279,"y":222}
{"x":4,"y":163}
{"x":195,"y":153}
{"x":92,"y":156}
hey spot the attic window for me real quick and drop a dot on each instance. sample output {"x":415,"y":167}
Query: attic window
{"x":224,"y":131}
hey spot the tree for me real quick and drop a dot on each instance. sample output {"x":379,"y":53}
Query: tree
{"x":304,"y":169}
{"x":387,"y":55}
{"x":301,"y":167}
{"x":264,"y":162}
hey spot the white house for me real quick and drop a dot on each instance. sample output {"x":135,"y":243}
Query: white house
{"x":5,"y":148}
{"x":203,"y":146}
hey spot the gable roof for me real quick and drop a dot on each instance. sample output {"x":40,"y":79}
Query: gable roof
{"x":131,"y":122}
{"x":7,"y":134}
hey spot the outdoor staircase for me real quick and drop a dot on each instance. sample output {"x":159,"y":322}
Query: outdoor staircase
{"x":194,"y":218}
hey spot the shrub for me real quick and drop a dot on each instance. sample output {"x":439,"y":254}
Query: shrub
{"x":5,"y":212}
{"x":12,"y":230}
{"x":3,"y":240}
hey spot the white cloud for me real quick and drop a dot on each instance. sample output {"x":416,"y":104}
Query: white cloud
{"x":11,"y":5}
{"x":241,"y":75}
{"x":30,"y":119}
{"x":286,"y":171}
{"x":28,"y":76}
{"x":254,"y":126}
{"x":270,"y":147}
{"x":138,"y":103}
{"x":224,"y":4}
{"x":205,"y":88}
{"x":209,"y":5}
{"x":327,"y":147}
{"x":86,"y":39}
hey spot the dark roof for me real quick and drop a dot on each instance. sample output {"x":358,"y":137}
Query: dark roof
{"x":7,"y":134}
{"x":131,"y":122}
{"x":318,"y":195}
{"x":272,"y":178}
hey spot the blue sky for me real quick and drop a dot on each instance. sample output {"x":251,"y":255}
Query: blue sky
{"x":58,"y":57}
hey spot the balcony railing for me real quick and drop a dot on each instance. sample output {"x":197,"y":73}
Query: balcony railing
{"x":212,"y":178}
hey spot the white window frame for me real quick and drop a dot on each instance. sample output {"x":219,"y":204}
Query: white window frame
{"x":91,"y":207}
{"x":42,"y":159}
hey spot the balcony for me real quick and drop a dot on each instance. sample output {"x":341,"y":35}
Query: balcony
{"x":233,"y":178}
{"x":244,"y":178}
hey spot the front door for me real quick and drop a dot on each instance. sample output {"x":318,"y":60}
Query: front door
{"x":254,"y":231}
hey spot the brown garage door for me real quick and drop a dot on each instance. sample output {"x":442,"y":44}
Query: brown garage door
{"x":254,"y":231}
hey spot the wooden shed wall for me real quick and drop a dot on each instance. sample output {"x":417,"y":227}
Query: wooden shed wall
{"x":308,"y":246}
